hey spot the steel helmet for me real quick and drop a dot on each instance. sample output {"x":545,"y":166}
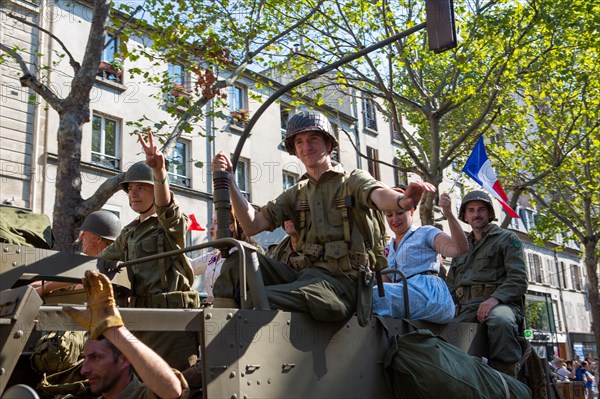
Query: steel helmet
{"x":476,"y":195}
{"x":308,"y":121}
{"x":139,"y":172}
{"x":104,"y":224}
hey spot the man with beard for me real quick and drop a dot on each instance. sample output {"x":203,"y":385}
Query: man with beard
{"x":489,"y":282}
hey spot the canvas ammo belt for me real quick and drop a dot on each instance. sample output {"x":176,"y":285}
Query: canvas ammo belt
{"x":468,"y":292}
{"x":334,"y":257}
{"x":167,"y":300}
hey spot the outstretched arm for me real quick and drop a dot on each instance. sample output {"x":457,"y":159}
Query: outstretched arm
{"x":388,"y":200}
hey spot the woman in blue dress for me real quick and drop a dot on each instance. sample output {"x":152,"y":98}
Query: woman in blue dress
{"x":417,"y":251}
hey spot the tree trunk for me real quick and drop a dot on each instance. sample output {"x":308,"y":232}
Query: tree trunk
{"x":67,"y":205}
{"x":591,"y":265}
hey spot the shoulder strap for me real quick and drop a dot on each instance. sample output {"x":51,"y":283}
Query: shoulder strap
{"x":160,"y":245}
{"x":302,"y":208}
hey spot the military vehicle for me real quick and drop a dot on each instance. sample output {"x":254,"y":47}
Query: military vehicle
{"x":246,"y":352}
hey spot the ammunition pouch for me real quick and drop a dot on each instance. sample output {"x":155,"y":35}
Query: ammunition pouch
{"x":335,"y":257}
{"x":469,"y":292}
{"x":168,"y":300}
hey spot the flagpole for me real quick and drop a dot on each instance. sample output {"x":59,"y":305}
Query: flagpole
{"x":455,"y":182}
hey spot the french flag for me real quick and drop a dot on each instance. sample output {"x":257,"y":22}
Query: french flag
{"x":479,"y":168}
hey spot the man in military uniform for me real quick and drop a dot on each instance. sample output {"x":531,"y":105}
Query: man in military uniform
{"x":286,"y":248}
{"x":98,"y":230}
{"x":160,"y":227}
{"x":332,"y":250}
{"x":111,"y":355}
{"x":489,"y":282}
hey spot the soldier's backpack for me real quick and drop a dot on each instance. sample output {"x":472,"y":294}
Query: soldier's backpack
{"x":421,"y":365}
{"x":57,"y":351}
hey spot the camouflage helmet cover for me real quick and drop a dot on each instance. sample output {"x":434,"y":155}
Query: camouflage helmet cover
{"x":476,"y":195}
{"x":139,"y":172}
{"x":308,"y":121}
{"x":104,"y":224}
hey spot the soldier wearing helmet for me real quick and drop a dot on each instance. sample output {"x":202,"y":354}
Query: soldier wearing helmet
{"x":98,"y":231}
{"x":489,"y":282}
{"x":324,"y":277}
{"x":160,"y":227}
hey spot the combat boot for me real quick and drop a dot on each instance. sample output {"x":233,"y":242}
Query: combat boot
{"x":506,"y":368}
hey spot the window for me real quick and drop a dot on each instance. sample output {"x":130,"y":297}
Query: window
{"x":289,"y":179}
{"x":111,"y":66}
{"x":105,"y":142}
{"x":243,"y":177}
{"x":563,"y":274}
{"x":373,"y":161}
{"x":111,"y":48}
{"x":178,"y":165}
{"x":369,"y":114}
{"x":395,"y":132}
{"x":237,"y":98}
{"x":550,"y":268}
{"x":576,"y":278}
{"x":238,"y":105}
{"x":538,"y":313}
{"x":400,"y":176}
{"x":534,"y":267}
{"x":527,"y":217}
{"x":177,"y":75}
{"x":284,"y":114}
{"x":335,"y":154}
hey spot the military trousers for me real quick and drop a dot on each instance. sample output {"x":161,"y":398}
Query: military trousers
{"x":502,"y":325}
{"x":312,"y":290}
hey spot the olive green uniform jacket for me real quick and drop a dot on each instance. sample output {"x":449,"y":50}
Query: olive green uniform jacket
{"x":325,"y":283}
{"x":496,"y":262}
{"x":140,"y":239}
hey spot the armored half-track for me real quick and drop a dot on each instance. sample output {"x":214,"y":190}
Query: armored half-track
{"x":246,"y":353}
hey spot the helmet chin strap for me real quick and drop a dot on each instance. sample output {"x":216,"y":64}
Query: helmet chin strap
{"x":141,"y":213}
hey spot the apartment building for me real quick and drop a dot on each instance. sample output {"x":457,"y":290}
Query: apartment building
{"x":28,"y":150}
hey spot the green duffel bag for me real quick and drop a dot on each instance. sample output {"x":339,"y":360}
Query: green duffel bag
{"x":421,"y":365}
{"x":26,"y":228}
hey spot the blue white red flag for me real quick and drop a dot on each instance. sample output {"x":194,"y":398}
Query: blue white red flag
{"x":479,"y":168}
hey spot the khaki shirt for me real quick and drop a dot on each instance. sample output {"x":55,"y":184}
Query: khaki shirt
{"x":138,"y":390}
{"x":138,"y":240}
{"x":324,"y":219}
{"x":282,"y":251}
{"x":497,"y":259}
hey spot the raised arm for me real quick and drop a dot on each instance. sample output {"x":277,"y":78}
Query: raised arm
{"x":456,"y":243}
{"x":388,"y":200}
{"x":149,"y":366}
{"x":252,"y":222}
{"x":156,"y":161}
{"x":101,"y":317}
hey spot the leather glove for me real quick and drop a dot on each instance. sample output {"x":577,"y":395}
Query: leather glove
{"x":101,"y":312}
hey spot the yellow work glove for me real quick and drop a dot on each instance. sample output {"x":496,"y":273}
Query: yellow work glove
{"x":101,"y":312}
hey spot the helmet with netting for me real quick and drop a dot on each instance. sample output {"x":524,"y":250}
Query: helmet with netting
{"x":308,"y":121}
